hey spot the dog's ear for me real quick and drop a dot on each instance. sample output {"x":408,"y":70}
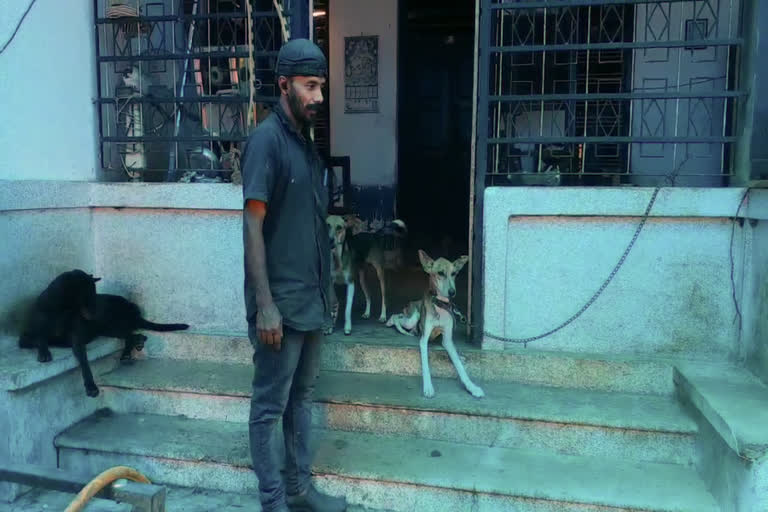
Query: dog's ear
{"x":426,"y":261}
{"x":353,"y":223}
{"x":95,"y":279}
{"x":352,"y":220}
{"x":459,"y":264}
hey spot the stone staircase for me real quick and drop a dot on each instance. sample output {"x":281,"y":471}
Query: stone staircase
{"x":180,"y":499}
{"x":555,"y":432}
{"x":39,"y":500}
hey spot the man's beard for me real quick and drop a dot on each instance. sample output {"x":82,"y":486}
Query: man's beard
{"x":299,"y":112}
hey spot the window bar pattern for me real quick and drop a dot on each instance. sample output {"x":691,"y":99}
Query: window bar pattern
{"x":607,"y":92}
{"x":175,"y":84}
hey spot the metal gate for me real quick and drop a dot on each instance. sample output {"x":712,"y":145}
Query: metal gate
{"x":180,"y":82}
{"x":602,"y":92}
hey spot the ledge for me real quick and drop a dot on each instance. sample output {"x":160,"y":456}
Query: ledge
{"x":20,"y":369}
{"x":733,"y":401}
{"x":620,"y":202}
{"x":512,"y":201}
{"x":40,"y":195}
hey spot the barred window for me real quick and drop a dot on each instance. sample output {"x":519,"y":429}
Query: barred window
{"x":182,"y":82}
{"x":606,"y":92}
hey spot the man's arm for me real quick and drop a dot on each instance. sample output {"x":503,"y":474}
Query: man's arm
{"x":259,"y":166}
{"x":268,"y":320}
{"x":256,"y":266}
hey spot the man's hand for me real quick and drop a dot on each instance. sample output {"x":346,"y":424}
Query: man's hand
{"x":269,"y":325}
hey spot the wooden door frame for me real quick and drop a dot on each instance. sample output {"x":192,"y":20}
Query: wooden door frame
{"x":478,"y":166}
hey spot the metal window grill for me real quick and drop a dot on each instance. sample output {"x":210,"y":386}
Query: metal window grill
{"x":606,"y":92}
{"x":182,"y":82}
{"x":320,"y":29}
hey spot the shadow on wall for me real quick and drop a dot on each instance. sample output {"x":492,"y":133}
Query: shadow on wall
{"x":13,"y":318}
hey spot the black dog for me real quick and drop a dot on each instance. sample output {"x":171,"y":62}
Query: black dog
{"x":117,"y":317}
{"x":112,"y":316}
{"x":83,"y":318}
{"x":55,"y":312}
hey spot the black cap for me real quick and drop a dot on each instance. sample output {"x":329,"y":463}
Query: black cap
{"x":301,"y":57}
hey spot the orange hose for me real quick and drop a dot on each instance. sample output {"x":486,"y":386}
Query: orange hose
{"x":101,"y":481}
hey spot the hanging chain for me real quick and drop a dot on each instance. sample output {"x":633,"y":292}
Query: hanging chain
{"x":670,"y":179}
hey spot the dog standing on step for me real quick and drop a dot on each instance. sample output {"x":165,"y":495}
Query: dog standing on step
{"x":351,"y":251}
{"x":433,"y":316}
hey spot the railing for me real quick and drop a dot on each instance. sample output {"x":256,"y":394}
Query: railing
{"x":182,"y":82}
{"x":603,"y":92}
{"x":606,"y":92}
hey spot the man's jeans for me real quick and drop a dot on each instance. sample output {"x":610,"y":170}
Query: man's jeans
{"x":283,"y":385}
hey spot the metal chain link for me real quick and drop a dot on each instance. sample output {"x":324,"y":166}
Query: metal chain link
{"x":670,"y":179}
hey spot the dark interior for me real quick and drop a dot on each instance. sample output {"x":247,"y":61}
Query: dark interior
{"x":435,"y":124}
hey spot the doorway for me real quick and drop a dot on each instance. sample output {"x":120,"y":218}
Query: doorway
{"x":436,"y":63}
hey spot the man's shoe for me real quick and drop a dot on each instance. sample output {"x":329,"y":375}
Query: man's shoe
{"x":315,"y":501}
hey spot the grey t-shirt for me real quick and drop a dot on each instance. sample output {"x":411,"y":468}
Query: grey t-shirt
{"x":282,"y":168}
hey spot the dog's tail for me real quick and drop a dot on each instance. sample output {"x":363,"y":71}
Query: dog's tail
{"x":152,"y":326}
{"x":399,"y":228}
{"x":396,"y":229}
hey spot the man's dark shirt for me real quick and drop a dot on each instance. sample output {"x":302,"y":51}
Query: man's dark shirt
{"x":282,"y":168}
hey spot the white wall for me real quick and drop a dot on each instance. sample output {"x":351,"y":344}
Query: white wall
{"x":754,"y":236}
{"x":48,"y":123}
{"x":548,"y":250}
{"x":176,"y":249}
{"x":369,"y":139}
{"x":39,"y":245}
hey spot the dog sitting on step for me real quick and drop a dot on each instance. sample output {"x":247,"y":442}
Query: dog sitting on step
{"x":55,"y":311}
{"x":69,"y":313}
{"x":433,"y":316}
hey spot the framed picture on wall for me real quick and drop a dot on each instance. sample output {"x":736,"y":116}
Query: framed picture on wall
{"x":361,"y":74}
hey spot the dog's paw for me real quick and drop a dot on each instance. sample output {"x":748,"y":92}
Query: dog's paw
{"x":328,"y":331}
{"x":44,"y":356}
{"x":383,"y":319}
{"x":92,"y":391}
{"x":429,"y":390}
{"x":366,"y":315}
{"x":347,"y":332}
{"x":476,"y":391}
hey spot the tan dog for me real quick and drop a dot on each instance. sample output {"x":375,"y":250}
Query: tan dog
{"x":351,"y":250}
{"x":432,"y":316}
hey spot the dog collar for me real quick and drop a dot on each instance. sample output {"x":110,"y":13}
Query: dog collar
{"x":449,"y":306}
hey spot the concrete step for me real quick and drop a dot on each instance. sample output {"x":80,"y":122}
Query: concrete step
{"x":186,"y":499}
{"x":42,"y":500}
{"x":733,"y":401}
{"x":731,"y":405}
{"x":19,"y":368}
{"x":573,"y":421}
{"x":179,"y":499}
{"x":372,"y":348}
{"x":386,"y":472}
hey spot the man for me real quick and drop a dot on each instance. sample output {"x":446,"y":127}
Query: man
{"x":287,"y":278}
